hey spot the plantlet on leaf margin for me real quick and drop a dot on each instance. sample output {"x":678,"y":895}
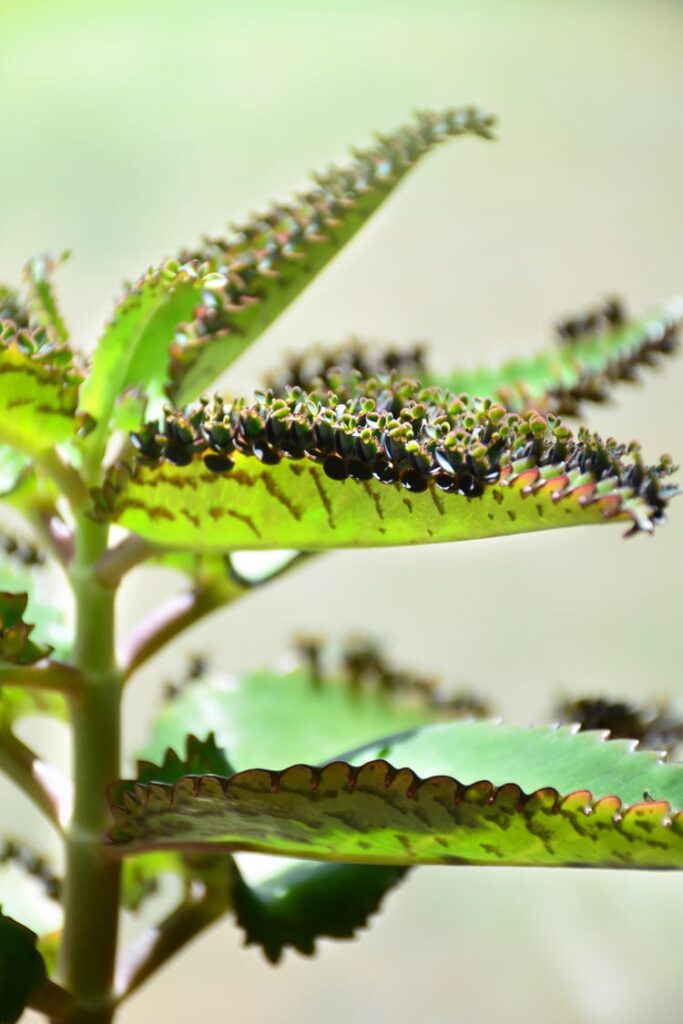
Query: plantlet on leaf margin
{"x":362,"y":774}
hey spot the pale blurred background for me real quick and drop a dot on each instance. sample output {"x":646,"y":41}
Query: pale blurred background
{"x":131,"y":128}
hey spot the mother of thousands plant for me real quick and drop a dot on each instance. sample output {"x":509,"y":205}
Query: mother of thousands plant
{"x":360,"y":771}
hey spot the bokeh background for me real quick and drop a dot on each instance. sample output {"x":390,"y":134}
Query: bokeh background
{"x":131,"y":128}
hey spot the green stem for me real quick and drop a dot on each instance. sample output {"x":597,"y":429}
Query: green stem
{"x":51,"y":675}
{"x":68,"y":480}
{"x":91,"y":898}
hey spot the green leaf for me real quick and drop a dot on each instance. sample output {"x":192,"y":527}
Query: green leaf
{"x":542,"y":756}
{"x":38,"y":390}
{"x":16,"y":647}
{"x":394,"y":465}
{"x":598,"y":350}
{"x":132,"y":351}
{"x":584,"y":368}
{"x":180,"y":325}
{"x":269,"y":261}
{"x":42,"y":302}
{"x":298,"y":713}
{"x":539,"y":797}
{"x":141,"y":874}
{"x":201,"y":757}
{"x":310,"y":901}
{"x":294,"y":714}
{"x":22,"y":970}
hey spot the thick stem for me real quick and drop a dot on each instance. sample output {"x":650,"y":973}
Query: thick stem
{"x":91,"y":898}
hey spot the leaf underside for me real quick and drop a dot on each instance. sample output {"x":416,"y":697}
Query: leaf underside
{"x":626,"y":813}
{"x":390,"y":466}
{"x":311,"y":901}
{"x":375,"y":815}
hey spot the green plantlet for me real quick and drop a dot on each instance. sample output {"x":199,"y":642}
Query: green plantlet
{"x":357,"y":768}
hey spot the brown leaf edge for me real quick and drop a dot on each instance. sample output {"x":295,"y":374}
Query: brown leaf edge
{"x":648,"y":816}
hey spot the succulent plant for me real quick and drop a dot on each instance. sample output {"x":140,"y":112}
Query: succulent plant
{"x":359,"y":769}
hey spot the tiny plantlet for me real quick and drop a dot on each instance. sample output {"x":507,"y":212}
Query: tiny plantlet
{"x":359,"y":770}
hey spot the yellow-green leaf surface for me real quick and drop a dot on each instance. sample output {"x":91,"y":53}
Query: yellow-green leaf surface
{"x":38,"y":390}
{"x":132,"y":351}
{"x":394,"y":465}
{"x":269,"y":261}
{"x":584,"y":367}
{"x":600,"y":804}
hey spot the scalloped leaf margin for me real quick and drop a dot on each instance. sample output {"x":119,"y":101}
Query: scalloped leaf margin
{"x":376,"y":814}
